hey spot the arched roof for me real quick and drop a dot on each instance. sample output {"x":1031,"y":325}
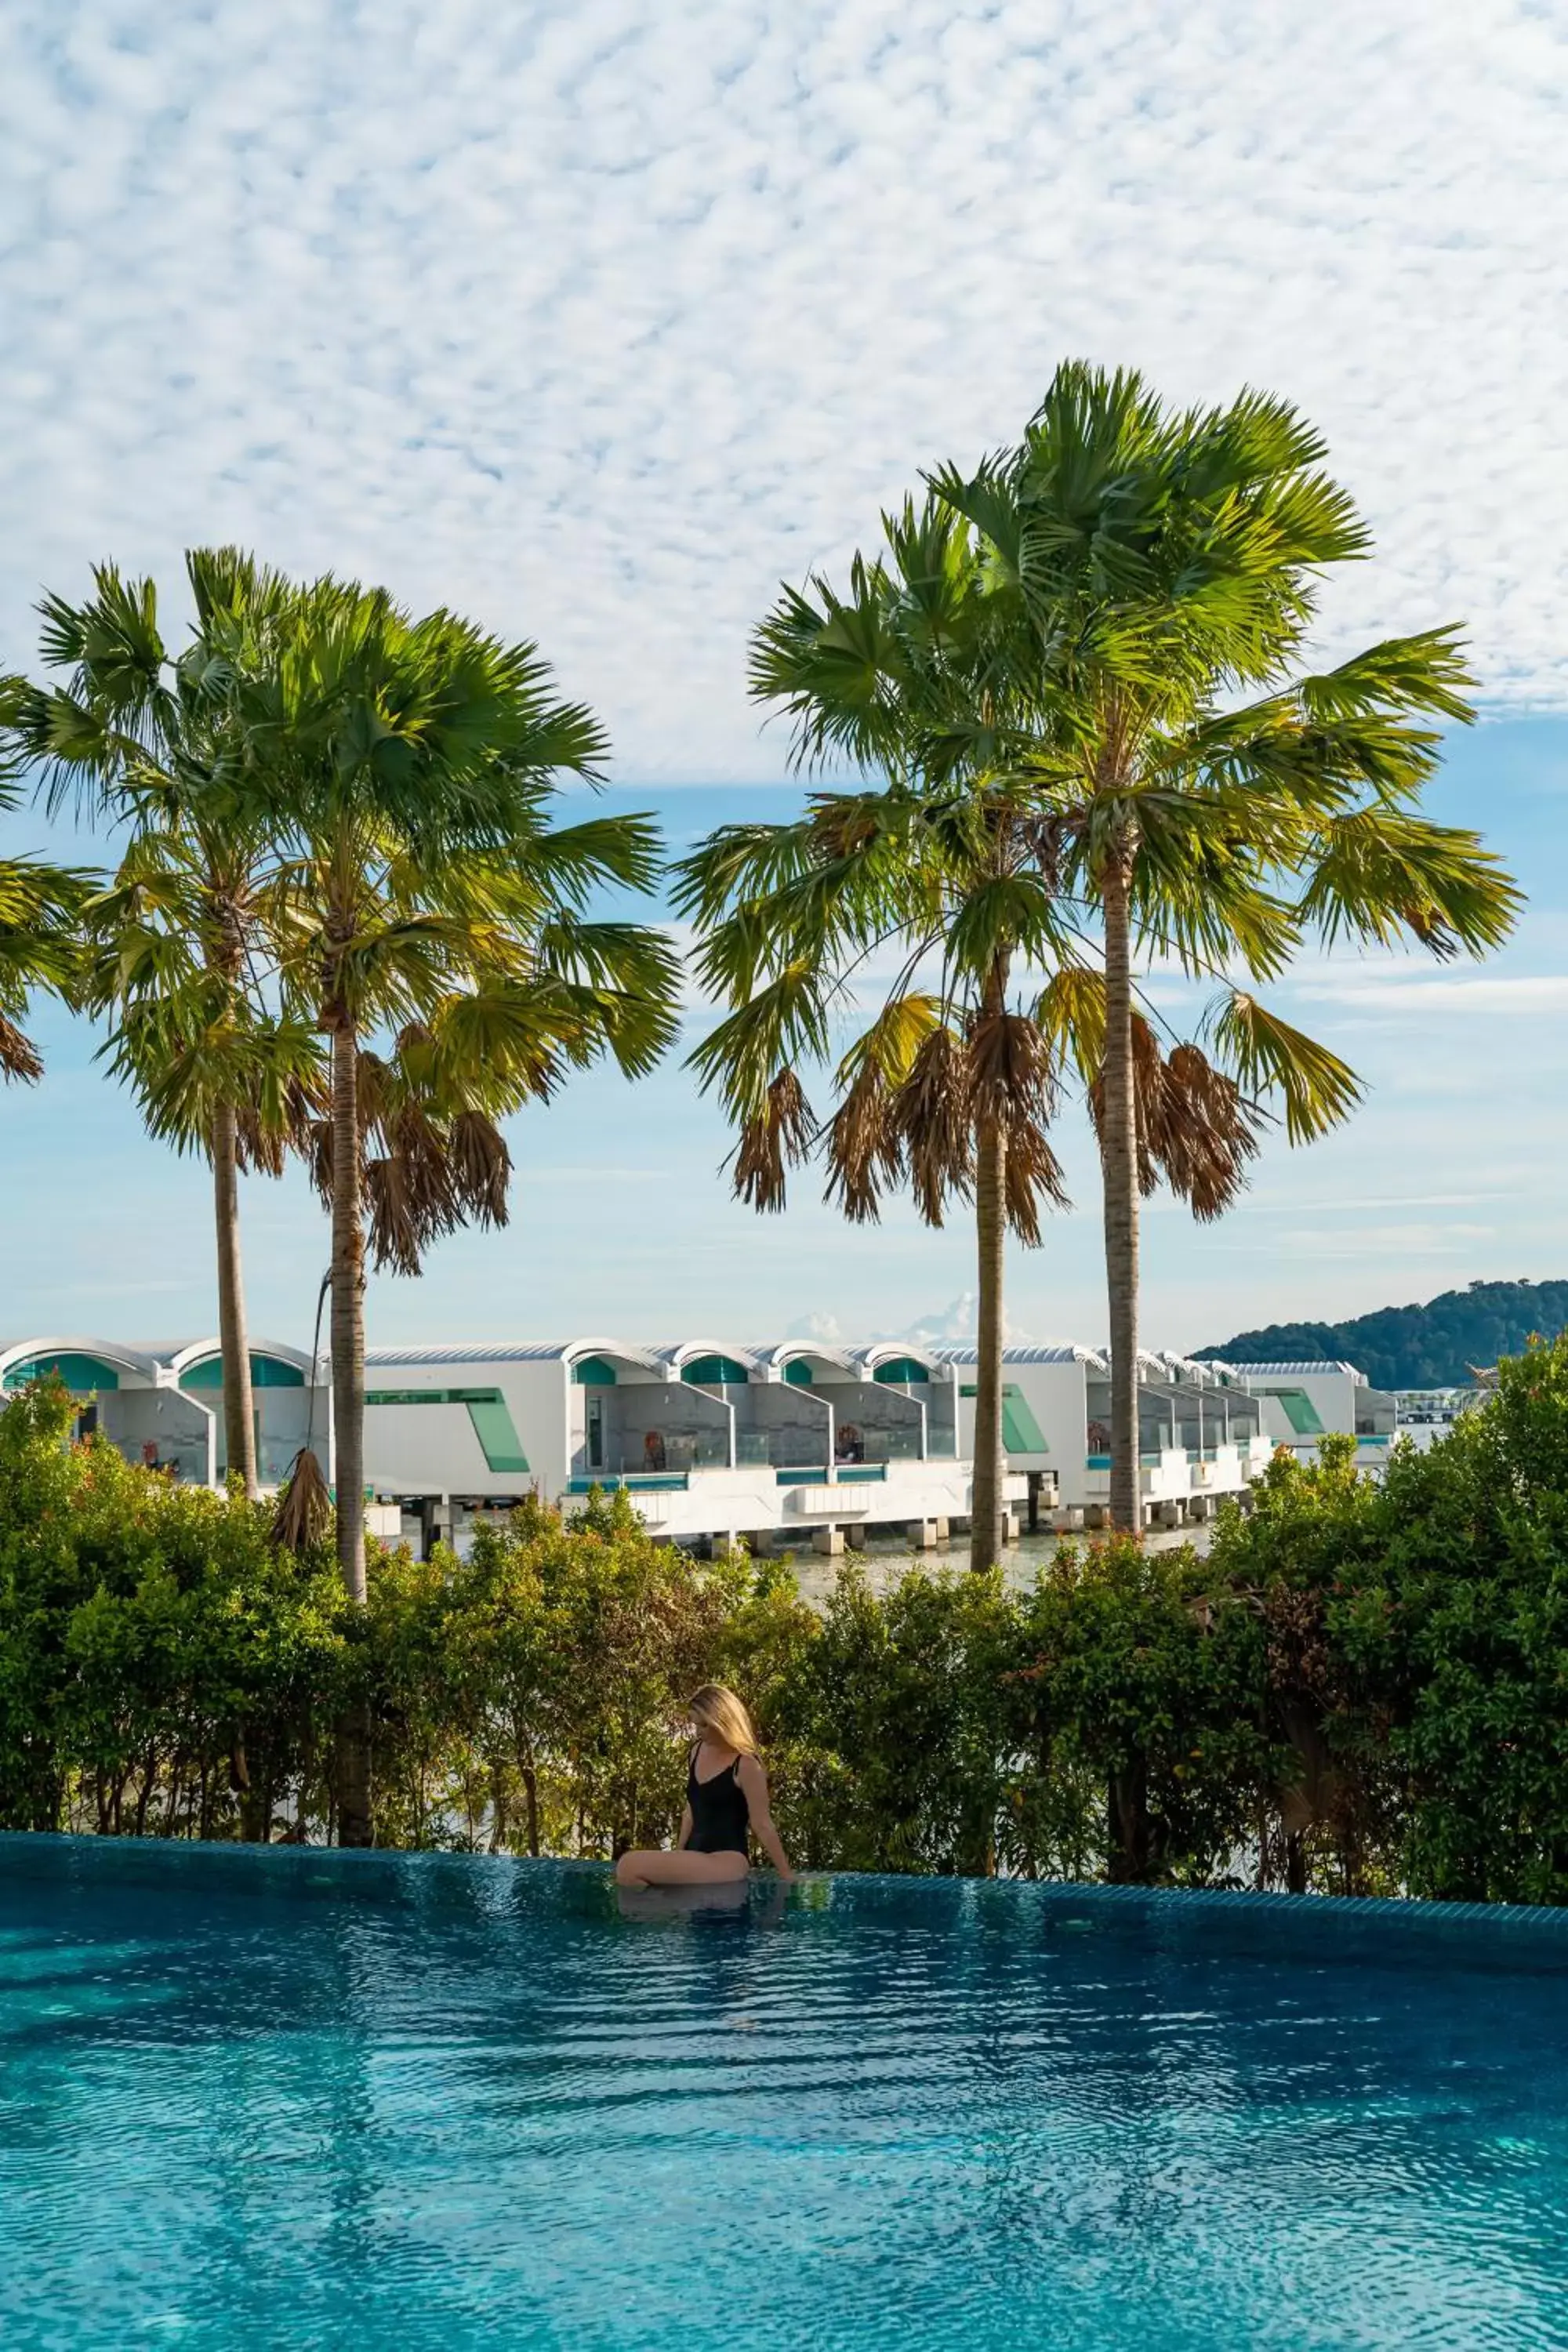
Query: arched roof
{"x":677,"y":1353}
{"x":181,"y":1360}
{"x":816,"y":1351}
{"x":883,"y":1351}
{"x":112,"y":1352}
{"x":529,"y":1351}
{"x":966,"y":1352}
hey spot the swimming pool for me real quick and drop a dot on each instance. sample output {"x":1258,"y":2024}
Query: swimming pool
{"x":255,"y":2099}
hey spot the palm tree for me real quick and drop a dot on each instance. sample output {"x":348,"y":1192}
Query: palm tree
{"x":173,"y":952}
{"x":947,"y":875}
{"x":404,"y":770}
{"x":1147,"y":571}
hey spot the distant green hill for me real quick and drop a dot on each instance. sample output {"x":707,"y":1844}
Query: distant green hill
{"x":1429,"y":1347}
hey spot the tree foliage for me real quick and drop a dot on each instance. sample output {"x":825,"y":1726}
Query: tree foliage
{"x":1363,"y":1689}
{"x":1416,"y":1347}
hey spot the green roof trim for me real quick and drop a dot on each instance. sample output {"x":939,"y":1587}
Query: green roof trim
{"x":901,"y":1372}
{"x":593,"y":1372}
{"x":266,"y":1372}
{"x":81,"y":1374}
{"x":1300,"y":1411}
{"x":1021,"y":1432}
{"x":797,"y":1373}
{"x":715,"y":1372}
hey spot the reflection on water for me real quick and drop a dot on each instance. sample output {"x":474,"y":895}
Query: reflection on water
{"x":887,"y":1558}
{"x":269,"y":2099}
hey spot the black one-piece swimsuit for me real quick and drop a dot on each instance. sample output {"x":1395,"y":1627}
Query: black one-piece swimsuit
{"x":719,"y":1810}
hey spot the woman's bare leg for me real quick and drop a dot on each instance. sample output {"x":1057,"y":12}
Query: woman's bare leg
{"x":681,"y":1869}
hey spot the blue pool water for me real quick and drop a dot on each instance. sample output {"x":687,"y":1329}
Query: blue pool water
{"x":281,"y":2099}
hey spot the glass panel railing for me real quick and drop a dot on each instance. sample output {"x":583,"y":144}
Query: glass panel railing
{"x":653,"y":1482}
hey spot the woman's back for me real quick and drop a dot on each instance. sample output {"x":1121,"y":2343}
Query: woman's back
{"x":720,"y":1809}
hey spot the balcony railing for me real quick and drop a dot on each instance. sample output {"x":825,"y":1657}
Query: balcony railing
{"x":635,"y":1482}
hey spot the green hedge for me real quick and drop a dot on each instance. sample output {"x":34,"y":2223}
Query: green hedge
{"x":1362,"y":1688}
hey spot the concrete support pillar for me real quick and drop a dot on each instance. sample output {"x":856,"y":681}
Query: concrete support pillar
{"x":1034,"y":1502}
{"x":435,"y":1517}
{"x":943,"y":1531}
{"x":855,"y":1535}
{"x":923,"y":1535}
{"x":1009,"y":1527}
{"x":760,"y":1542}
{"x":829,"y":1540}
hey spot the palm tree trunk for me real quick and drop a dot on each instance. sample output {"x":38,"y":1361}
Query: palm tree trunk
{"x":985,"y":1503}
{"x":239,"y":1408}
{"x":354,"y":1824}
{"x":1118,"y":1155}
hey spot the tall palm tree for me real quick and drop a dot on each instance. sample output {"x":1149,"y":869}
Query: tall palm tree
{"x":945,"y":878}
{"x":405,"y":770}
{"x":1148,"y":572}
{"x":173,"y":952}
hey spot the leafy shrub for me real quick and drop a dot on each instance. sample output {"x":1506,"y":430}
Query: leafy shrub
{"x":1362,"y":1688}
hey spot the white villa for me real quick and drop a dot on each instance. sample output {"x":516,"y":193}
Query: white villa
{"x":163,"y":1404}
{"x":1304,"y":1402}
{"x":785,"y":1444}
{"x":1200,"y":1432}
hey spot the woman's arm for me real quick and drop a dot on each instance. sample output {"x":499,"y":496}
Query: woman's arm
{"x":754,"y":1782}
{"x":685,"y":1828}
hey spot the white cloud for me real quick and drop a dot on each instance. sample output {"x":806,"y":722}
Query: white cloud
{"x":597,"y":319}
{"x":822,"y":1327}
{"x":1417,"y":1240}
{"x":957,"y":1320}
{"x":1509,"y":992}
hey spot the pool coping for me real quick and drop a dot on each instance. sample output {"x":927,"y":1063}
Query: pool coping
{"x":54,"y":1848}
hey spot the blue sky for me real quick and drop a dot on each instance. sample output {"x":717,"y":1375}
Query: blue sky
{"x":597,"y":319}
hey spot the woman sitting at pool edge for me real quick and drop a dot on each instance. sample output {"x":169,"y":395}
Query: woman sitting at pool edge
{"x":726,"y":1794}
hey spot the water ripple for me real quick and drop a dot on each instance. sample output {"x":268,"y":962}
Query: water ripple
{"x":297,"y":2103}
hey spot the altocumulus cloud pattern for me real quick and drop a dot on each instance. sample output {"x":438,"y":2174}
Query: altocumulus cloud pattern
{"x":599,"y":318}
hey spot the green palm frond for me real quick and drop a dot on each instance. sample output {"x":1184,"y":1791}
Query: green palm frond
{"x":1381,"y":873}
{"x":1268,"y":1056}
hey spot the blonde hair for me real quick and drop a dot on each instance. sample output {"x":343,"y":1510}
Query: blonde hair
{"x":719,"y":1714}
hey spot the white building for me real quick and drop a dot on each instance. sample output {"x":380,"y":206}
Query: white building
{"x":1303,"y":1402}
{"x":788,"y":1443}
{"x":1200,"y":1433}
{"x":163,"y":1404}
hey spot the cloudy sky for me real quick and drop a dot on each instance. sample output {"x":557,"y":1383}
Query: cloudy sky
{"x":597,"y":319}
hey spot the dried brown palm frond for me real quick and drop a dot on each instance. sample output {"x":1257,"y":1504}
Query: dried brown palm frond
{"x":841,"y":826}
{"x":18,"y":1054}
{"x":780,"y":1136}
{"x":410,"y":1192}
{"x":378,"y":1093}
{"x":264,"y":1144}
{"x":865,"y":1149}
{"x":1206,"y":1133}
{"x":1196,"y":1129}
{"x":480,"y":1167}
{"x":316,"y":1150}
{"x":304,"y":1506}
{"x":1011,"y":1068}
{"x":933,"y":1112}
{"x":1031,"y":1173}
{"x":1148,"y":1084}
{"x":1012,"y":1084}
